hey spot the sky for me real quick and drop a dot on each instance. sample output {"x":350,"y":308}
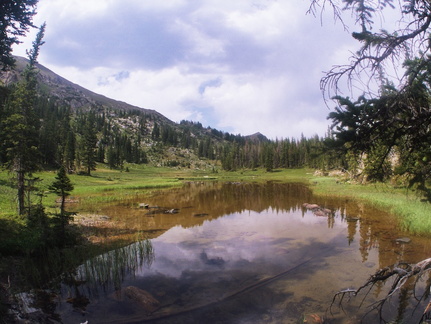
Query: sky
{"x":242,"y":66}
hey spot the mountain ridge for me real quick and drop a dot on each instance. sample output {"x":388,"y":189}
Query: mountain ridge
{"x":70,"y":93}
{"x":79,"y":97}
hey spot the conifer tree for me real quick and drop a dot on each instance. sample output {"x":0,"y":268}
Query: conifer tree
{"x":89,"y":144}
{"x":15,"y":20}
{"x":62,"y":186}
{"x":21,"y":125}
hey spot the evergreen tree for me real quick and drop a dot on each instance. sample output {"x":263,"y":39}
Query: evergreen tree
{"x":62,"y":186}
{"x":21,"y":126}
{"x":89,"y":144}
{"x":269,"y":157}
{"x":69,"y":151}
{"x":15,"y":20}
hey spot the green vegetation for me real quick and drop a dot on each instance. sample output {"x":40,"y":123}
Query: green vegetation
{"x":110,"y":186}
{"x":413,"y":212}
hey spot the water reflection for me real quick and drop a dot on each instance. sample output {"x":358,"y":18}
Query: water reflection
{"x":239,"y":253}
{"x":111,"y":268}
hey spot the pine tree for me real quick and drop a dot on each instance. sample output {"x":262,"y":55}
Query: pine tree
{"x":15,"y":20}
{"x":62,"y":186}
{"x":89,"y":144}
{"x":21,"y":126}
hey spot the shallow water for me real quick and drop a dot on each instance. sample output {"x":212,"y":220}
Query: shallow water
{"x":241,"y":253}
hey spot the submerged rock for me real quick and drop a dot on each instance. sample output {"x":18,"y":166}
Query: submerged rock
{"x":143,"y":297}
{"x":200,"y":215}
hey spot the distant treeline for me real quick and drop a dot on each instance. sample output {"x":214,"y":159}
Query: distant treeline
{"x":78,"y":138}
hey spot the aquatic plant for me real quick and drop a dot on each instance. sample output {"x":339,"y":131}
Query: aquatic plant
{"x":111,"y":268}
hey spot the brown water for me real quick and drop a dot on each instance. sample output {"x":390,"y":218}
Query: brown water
{"x":242,"y":253}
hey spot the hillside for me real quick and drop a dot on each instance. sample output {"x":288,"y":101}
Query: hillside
{"x":69,"y":93}
{"x":129,"y":134}
{"x":126,"y":133}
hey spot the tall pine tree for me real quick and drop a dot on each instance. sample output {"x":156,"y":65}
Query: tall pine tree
{"x":89,"y":144}
{"x":21,"y":125}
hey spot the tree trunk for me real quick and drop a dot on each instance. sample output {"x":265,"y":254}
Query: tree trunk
{"x":21,"y":191}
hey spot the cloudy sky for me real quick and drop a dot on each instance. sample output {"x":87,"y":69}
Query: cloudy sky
{"x":240,"y":66}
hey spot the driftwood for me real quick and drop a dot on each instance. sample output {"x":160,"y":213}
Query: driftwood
{"x":400,"y":273}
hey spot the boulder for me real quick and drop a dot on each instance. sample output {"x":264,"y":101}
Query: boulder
{"x":142,"y":297}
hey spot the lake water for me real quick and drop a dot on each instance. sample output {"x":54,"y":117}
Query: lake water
{"x":241,"y":253}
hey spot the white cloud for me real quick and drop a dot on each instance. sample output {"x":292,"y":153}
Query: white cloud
{"x":267,"y":24}
{"x":239,"y":66}
{"x":200,"y":44}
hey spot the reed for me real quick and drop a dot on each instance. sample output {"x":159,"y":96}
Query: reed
{"x":110,"y":269}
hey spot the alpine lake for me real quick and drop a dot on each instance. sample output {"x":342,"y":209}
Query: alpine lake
{"x":231,"y":252}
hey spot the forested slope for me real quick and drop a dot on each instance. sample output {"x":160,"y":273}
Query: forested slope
{"x":73,"y":123}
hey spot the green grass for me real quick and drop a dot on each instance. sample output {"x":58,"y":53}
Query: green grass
{"x":106,"y":186}
{"x":414,"y":214}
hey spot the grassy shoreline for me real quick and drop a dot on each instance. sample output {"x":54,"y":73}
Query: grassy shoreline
{"x":107,"y":185}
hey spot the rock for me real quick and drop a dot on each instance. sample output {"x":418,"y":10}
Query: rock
{"x":336,"y":173}
{"x":313,"y":318}
{"x":200,"y":215}
{"x":172,"y":211}
{"x":369,"y":264}
{"x":352,"y":219}
{"x":404,"y":240}
{"x":318,"y":173}
{"x":310,"y":206}
{"x":317,"y":210}
{"x":142,"y":297}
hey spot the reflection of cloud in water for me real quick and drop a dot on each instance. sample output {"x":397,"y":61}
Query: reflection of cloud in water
{"x":267,"y":238}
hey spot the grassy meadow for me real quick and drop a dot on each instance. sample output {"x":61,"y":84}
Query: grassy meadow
{"x":105,"y":185}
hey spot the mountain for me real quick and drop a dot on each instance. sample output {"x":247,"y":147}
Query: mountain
{"x":257,"y":137}
{"x":71,"y":94}
{"x":125,"y":133}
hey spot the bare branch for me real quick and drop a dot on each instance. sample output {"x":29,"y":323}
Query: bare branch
{"x":401,"y":273}
{"x":379,"y":50}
